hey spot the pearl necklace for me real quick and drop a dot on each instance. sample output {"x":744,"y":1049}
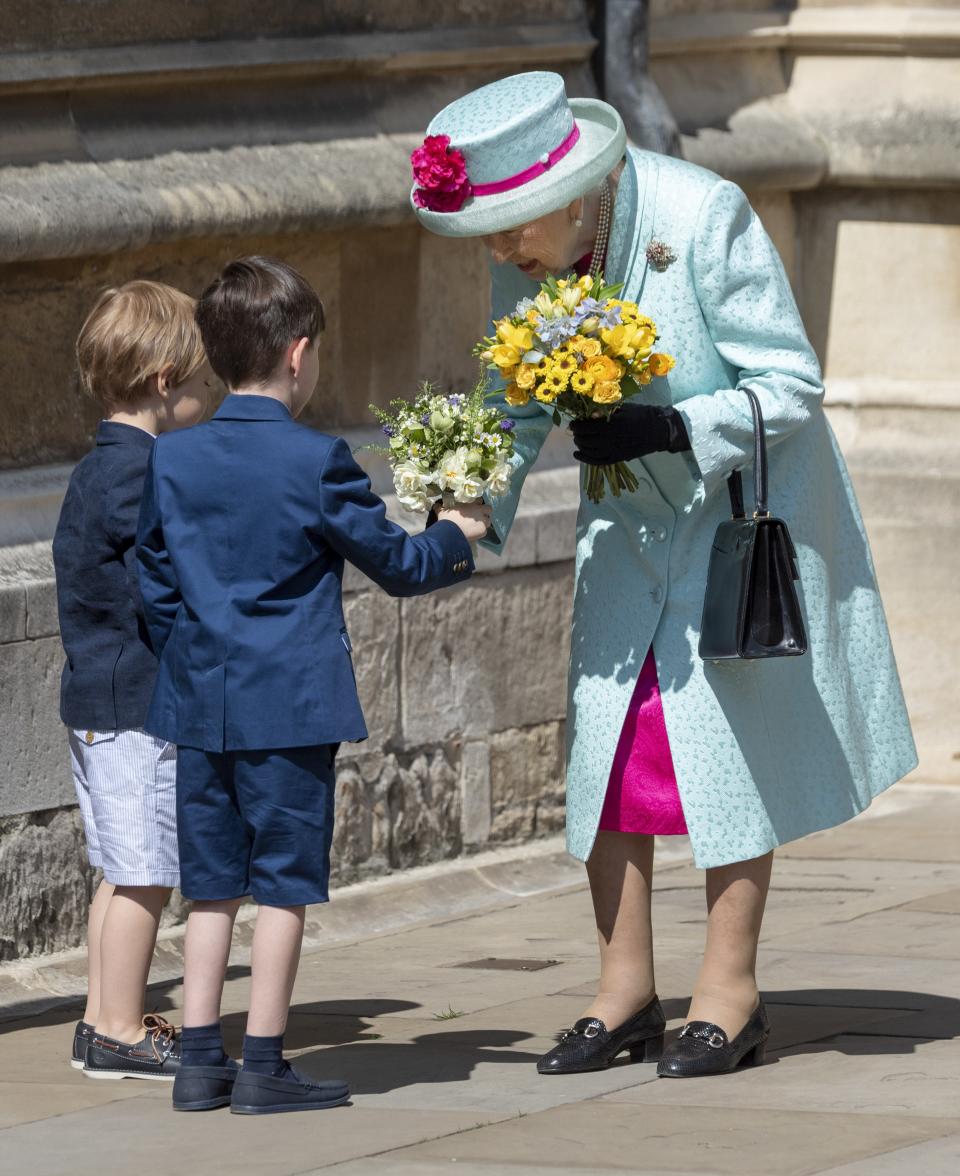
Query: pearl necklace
{"x":599,"y":254}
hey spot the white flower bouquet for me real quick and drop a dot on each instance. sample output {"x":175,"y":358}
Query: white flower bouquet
{"x":455,"y":447}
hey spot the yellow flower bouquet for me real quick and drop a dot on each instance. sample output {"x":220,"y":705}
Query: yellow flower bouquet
{"x":577,"y":348}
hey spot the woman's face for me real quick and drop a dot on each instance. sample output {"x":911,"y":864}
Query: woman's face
{"x":547,"y":245}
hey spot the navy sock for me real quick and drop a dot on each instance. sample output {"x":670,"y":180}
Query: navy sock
{"x":202,"y":1045}
{"x":264,"y":1055}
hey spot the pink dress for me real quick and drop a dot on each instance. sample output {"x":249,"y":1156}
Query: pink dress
{"x":642,"y":795}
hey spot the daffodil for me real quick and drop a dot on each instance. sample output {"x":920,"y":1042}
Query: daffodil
{"x":515,"y":336}
{"x":506,"y":356}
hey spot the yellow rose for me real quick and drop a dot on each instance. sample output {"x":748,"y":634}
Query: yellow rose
{"x":585,"y":283}
{"x":660,"y":363}
{"x":516,"y":396}
{"x":606,"y":392}
{"x":602,"y":368}
{"x":590,"y":348}
{"x":526,"y":376}
{"x":520,"y":338}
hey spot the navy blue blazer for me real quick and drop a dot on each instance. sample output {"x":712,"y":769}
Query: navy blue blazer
{"x":110,"y":668}
{"x":245,"y":526}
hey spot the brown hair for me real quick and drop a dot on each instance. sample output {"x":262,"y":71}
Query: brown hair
{"x":132,"y":333}
{"x":251,"y":314}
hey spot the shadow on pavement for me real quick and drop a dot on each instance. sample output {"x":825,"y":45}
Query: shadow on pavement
{"x":800,"y":1023}
{"x":380,"y":1066}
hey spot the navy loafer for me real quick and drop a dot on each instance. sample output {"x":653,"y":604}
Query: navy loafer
{"x":204,"y":1088}
{"x":262,"y":1094}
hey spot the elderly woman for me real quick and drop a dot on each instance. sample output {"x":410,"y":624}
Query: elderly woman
{"x":742,"y":755}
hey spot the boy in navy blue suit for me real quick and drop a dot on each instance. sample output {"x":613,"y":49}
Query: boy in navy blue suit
{"x":245,"y":526}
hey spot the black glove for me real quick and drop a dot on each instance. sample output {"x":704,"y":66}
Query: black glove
{"x":634,"y":430}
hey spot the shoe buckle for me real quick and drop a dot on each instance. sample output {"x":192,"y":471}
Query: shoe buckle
{"x":592,"y":1030}
{"x":715,"y":1041}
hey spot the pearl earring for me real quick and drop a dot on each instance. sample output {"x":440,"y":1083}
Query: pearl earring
{"x":579,"y":223}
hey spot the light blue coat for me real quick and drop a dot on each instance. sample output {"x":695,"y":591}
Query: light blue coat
{"x":764,"y":751}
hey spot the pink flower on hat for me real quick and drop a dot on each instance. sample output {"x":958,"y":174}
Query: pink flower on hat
{"x":441,"y":175}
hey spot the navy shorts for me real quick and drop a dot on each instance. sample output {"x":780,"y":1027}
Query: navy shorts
{"x":256,"y":822}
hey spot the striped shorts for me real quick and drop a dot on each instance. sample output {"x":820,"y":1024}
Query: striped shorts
{"x":127,"y":788}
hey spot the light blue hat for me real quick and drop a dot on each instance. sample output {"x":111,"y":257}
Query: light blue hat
{"x":518,"y":149}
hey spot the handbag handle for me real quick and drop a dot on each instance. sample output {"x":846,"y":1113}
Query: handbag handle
{"x":735,"y":481}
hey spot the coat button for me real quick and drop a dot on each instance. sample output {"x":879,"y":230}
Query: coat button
{"x":657,"y":595}
{"x":660,"y":534}
{"x":89,"y":737}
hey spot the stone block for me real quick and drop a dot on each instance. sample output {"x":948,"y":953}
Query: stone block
{"x":557,"y":535}
{"x":475,"y":797}
{"x":46,"y":883}
{"x":373,"y":621}
{"x":487,"y":657}
{"x":34,"y":744}
{"x":13,"y":613}
{"x":42,"y":618}
{"x":395,"y":811}
{"x":527,"y":790}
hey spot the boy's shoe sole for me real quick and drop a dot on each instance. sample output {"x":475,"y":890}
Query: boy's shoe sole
{"x":113,"y":1075}
{"x":207,"y":1104}
{"x":76,"y":1063}
{"x":285,"y":1108}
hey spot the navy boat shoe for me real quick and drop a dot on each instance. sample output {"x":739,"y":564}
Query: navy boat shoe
{"x":263,"y":1094}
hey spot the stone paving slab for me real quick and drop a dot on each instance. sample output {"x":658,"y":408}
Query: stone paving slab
{"x":145,"y":1136}
{"x":864,"y":1080}
{"x":729,"y":1140}
{"x":934,"y":1157}
{"x":914,"y":934}
{"x":859,"y":1074}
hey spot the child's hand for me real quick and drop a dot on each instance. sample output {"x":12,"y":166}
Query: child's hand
{"x":473,"y":518}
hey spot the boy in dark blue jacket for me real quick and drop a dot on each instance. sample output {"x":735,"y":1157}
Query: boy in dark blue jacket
{"x":245,"y":526}
{"x":141,"y":358}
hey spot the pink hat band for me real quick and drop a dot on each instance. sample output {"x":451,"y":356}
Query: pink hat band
{"x":543,"y":164}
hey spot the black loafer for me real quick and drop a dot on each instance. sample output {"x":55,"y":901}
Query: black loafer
{"x":262,"y":1094}
{"x":82,"y":1035}
{"x":156,"y":1057}
{"x":204,"y":1088}
{"x":703,"y":1049}
{"x":589,"y":1045}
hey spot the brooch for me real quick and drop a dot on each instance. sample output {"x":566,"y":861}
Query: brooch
{"x":660,"y":255}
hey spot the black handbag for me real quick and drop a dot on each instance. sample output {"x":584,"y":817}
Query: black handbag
{"x":751,"y":608}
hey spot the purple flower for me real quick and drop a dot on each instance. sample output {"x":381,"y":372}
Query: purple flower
{"x":456,"y":400}
{"x":586,"y":308}
{"x":425,"y":419}
{"x":389,"y":430}
{"x":507,"y":425}
{"x":553,"y":332}
{"x":610,"y":318}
